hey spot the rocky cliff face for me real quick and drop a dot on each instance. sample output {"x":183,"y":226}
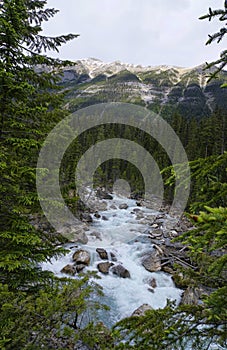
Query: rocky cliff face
{"x":171,"y":89}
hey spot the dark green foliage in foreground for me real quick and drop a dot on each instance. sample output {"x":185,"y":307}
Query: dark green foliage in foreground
{"x":208,"y":181}
{"x":208,"y":244}
{"x":53,"y":318}
{"x":220,"y":63}
{"x":186,"y":326}
{"x":28,"y":110}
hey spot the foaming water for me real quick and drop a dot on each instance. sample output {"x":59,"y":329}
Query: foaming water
{"x":119,"y":231}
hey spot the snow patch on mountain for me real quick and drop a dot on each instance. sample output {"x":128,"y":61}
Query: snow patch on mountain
{"x":178,"y":88}
{"x":95,"y":67}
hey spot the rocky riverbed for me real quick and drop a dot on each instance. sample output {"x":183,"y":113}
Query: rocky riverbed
{"x":129,"y":244}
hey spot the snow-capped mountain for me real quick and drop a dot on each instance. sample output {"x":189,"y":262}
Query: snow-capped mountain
{"x":185,"y":90}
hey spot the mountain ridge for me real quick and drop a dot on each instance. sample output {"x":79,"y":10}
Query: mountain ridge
{"x":176,"y":89}
{"x":96,"y":66}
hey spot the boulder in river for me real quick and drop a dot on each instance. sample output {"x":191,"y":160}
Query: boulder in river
{"x":120,"y":271}
{"x":81,"y":257}
{"x":136,"y":210}
{"x":79,"y":237}
{"x":141,"y":310}
{"x":75,"y":233}
{"x":152,"y":282}
{"x":123,"y":206}
{"x":113,"y":257}
{"x":79,"y":267}
{"x":104,"y":267}
{"x":102,"y":253}
{"x":96,"y":234}
{"x":152,"y":260}
{"x":101,"y":194}
{"x":69,"y":270}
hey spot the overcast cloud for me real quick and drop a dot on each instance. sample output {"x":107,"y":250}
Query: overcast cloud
{"x":147,"y":32}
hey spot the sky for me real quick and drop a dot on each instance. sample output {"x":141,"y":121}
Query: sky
{"x":145,"y":32}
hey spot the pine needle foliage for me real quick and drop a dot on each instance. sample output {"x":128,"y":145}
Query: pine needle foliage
{"x":28,"y":110}
{"x":219,"y":64}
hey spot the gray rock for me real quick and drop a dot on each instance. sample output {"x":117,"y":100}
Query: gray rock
{"x":103,"y":194}
{"x":98,"y":205}
{"x":191,"y":296}
{"x":151,"y":261}
{"x":69,"y":270}
{"x":154,"y":225}
{"x":120,"y":271}
{"x":136,"y":210}
{"x":80,"y":267}
{"x":153,"y":283}
{"x":113,"y":257}
{"x":159,"y":221}
{"x":104,"y":218}
{"x":81,"y":257}
{"x":173,"y":233}
{"x":75,"y":233}
{"x":97,"y":215}
{"x":156,"y":233}
{"x":102,"y":253}
{"x":86,"y":217}
{"x":104,"y":267}
{"x":141,"y":310}
{"x":97,"y":235}
{"x":78,"y":237}
{"x":123,"y":206}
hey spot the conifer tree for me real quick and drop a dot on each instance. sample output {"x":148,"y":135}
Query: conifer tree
{"x":220,"y":63}
{"x":28,"y":110}
{"x":37,"y":310}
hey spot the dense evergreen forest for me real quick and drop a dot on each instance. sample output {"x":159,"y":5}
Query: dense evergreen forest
{"x":41,"y":311}
{"x":202,"y":139}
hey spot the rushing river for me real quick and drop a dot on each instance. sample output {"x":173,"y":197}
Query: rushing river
{"x":120,"y":233}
